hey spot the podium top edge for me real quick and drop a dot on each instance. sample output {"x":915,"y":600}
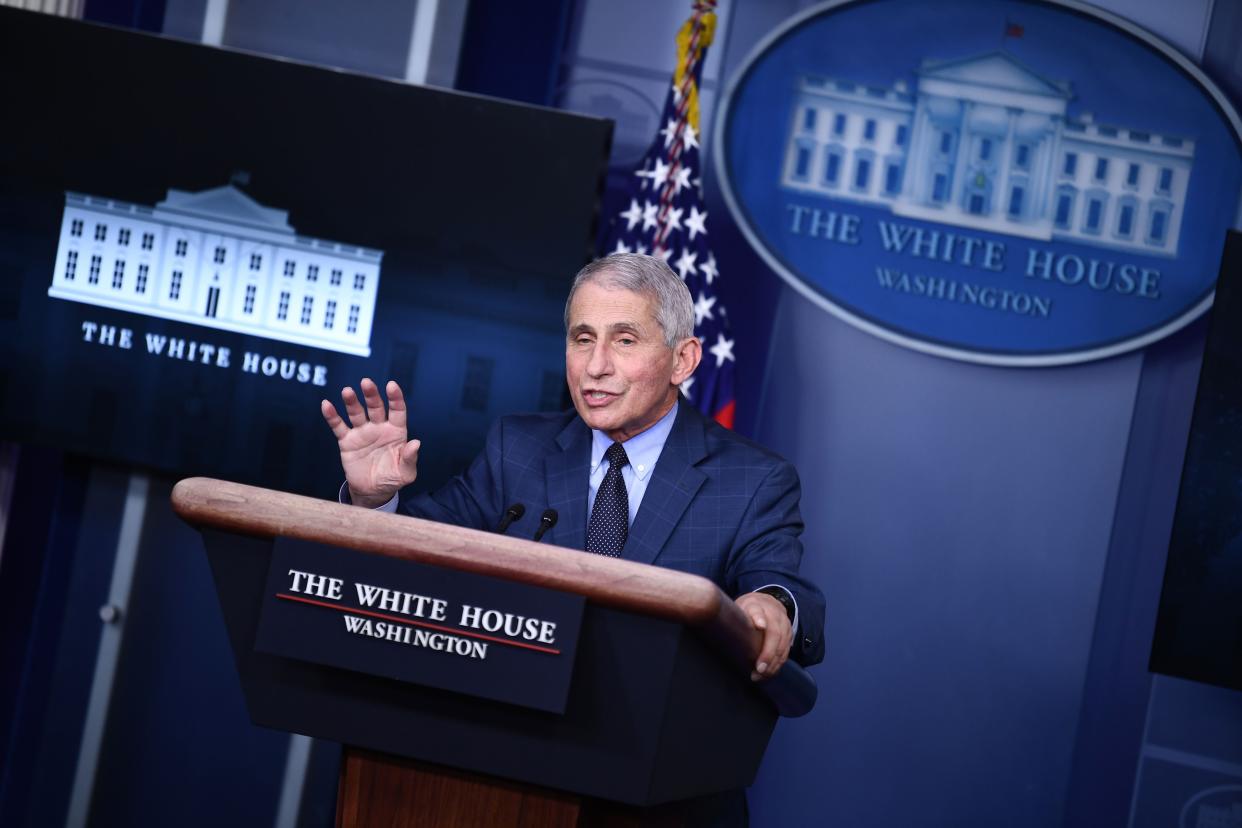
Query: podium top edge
{"x":650,"y":590}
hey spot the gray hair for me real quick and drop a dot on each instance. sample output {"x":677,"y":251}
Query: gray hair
{"x":649,"y":276}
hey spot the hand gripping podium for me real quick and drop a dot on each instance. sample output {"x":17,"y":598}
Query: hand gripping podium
{"x":341,"y":630}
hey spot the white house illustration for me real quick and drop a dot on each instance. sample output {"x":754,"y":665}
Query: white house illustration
{"x":986,"y":143}
{"x":219,"y":259}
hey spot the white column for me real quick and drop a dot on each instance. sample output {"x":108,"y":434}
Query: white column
{"x":1042,"y":175}
{"x":214,"y":17}
{"x":297,"y":759}
{"x":419,"y":59}
{"x":959,"y":161}
{"x":916,"y":156}
{"x":233,"y":281}
{"x":1004,"y":162}
{"x":113,"y":614}
{"x":157,"y":279}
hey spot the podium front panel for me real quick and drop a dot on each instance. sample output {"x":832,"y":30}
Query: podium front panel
{"x":653,"y":713}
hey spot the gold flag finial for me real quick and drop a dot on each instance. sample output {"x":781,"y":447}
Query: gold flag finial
{"x":693,"y":39}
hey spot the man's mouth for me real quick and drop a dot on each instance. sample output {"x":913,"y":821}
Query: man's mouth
{"x":594,"y":396}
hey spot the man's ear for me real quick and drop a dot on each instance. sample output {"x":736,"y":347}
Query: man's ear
{"x":686,"y":357}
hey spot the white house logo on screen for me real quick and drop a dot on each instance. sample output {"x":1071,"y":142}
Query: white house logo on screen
{"x":987,"y":144}
{"x":221,"y":260}
{"x":1026,"y":184}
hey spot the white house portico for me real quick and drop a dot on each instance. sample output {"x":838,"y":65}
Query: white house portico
{"x":219,"y":259}
{"x":986,"y":143}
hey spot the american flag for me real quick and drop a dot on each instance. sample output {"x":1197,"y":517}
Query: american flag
{"x":665,"y":217}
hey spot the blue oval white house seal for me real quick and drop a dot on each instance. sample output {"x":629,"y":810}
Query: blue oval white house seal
{"x":1028,"y":183}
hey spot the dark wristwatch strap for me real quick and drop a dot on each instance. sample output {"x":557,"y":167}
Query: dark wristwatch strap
{"x":783,"y":596}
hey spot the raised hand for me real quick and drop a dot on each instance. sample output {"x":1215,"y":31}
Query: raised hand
{"x":375,"y":454}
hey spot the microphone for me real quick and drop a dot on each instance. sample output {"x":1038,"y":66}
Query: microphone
{"x":513,"y":513}
{"x":546,"y":521}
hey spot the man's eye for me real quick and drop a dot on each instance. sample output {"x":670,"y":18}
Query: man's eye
{"x":625,"y":340}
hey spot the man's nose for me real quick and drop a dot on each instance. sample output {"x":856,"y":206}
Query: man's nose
{"x":599,"y":364}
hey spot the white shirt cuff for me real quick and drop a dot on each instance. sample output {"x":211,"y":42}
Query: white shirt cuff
{"x":342,"y":496}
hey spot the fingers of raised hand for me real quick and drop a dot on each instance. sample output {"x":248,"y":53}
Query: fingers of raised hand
{"x":396,"y":405}
{"x":409,"y":460}
{"x":353,"y":407}
{"x":333,"y":419}
{"x":374,"y":403}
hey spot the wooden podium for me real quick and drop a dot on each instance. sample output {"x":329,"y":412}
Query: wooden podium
{"x":660,"y":706}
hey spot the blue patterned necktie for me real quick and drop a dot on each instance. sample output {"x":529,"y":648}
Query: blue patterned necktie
{"x":610,"y":516}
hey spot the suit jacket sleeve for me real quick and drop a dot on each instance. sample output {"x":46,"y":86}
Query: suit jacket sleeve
{"x":768,"y":550}
{"x":472,"y":498}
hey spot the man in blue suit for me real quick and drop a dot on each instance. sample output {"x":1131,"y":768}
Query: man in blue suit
{"x":633,"y":471}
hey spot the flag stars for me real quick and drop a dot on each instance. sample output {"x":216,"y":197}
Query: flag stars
{"x":690,"y":138}
{"x":659,"y":173}
{"x":685,"y":387}
{"x":703,"y":310}
{"x":622,"y":247}
{"x":685,"y":264}
{"x":681,"y":180}
{"x":650,"y":215}
{"x":633,"y":215}
{"x":708,"y":267}
{"x":669,"y":132}
{"x":722,"y":350}
{"x":695,"y":222}
{"x":672,"y":221}
{"x":644,"y":173}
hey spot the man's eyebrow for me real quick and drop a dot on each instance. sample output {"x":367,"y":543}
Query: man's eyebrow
{"x":615,"y":327}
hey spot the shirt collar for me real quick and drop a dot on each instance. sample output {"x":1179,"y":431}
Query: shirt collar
{"x":643,"y":449}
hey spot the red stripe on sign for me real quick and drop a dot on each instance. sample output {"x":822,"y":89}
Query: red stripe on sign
{"x":412,"y":623}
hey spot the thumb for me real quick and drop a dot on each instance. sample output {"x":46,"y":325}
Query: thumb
{"x":759,"y":621}
{"x":409,"y":452}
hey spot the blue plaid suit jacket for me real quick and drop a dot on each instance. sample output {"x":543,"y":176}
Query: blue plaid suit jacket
{"x":717,"y":504}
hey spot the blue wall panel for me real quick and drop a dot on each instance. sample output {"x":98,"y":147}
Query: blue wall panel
{"x":960,"y":525}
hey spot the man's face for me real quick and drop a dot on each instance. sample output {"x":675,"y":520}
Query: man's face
{"x":622,"y":375}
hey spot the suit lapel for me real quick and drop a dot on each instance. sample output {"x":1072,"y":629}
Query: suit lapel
{"x":568,"y":474}
{"x":674,"y":483}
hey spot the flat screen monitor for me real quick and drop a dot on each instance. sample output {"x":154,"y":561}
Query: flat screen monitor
{"x":1199,"y":627}
{"x":197,"y":245}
